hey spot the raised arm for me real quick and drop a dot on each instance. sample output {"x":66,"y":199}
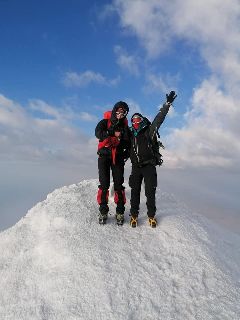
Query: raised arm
{"x":160,"y":117}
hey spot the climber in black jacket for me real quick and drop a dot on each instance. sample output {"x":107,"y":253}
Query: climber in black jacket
{"x":144,"y":160}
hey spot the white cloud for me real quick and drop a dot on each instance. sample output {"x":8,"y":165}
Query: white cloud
{"x":88,"y":117}
{"x":126,"y":62}
{"x":66,"y":113}
{"x":74,"y":79}
{"x":43,"y":107}
{"x":146,"y":20}
{"x":210,"y":134}
{"x":11,"y":114}
{"x":133,"y":107}
{"x":157,"y":22}
{"x":106,"y":11}
{"x":212,"y":27}
{"x":40,"y":150}
{"x":155,"y":83}
{"x":27,"y":137}
{"x":160,"y":83}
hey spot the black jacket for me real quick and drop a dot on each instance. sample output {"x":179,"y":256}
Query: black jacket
{"x":141,"y":151}
{"x":102,"y":132}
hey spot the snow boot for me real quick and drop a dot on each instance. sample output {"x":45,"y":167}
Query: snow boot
{"x":102,"y":218}
{"x":133,"y":221}
{"x":152,"y":222}
{"x":120,"y":219}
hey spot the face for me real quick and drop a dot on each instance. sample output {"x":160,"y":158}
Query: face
{"x":120,"y":113}
{"x":136,"y":122}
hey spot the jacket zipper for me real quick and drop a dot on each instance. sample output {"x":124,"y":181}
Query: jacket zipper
{"x":136,"y":150}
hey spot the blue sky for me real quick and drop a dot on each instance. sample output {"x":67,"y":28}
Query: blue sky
{"x":42,"y":42}
{"x":62,"y":63}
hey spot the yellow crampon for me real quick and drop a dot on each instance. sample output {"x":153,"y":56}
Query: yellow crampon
{"x":152,"y":222}
{"x":133,"y":222}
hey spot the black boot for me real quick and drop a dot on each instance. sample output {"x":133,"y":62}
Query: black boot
{"x":120,"y":218}
{"x":102,"y":218}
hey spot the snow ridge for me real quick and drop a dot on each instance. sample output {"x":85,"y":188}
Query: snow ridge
{"x":58,"y":263}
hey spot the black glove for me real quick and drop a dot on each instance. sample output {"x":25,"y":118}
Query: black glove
{"x":171,"y":96}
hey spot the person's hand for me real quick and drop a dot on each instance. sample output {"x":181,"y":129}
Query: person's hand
{"x":171,"y":97}
{"x":114,"y":141}
{"x":117,"y":134}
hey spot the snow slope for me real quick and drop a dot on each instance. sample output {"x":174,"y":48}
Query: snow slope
{"x":58,"y":263}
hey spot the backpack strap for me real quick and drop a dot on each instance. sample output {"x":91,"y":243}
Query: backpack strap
{"x":155,"y":146}
{"x":109,"y":123}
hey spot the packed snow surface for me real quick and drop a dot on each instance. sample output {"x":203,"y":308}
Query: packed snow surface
{"x":59,"y":263}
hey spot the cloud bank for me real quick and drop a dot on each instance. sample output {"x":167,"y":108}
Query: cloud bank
{"x":40,"y":132}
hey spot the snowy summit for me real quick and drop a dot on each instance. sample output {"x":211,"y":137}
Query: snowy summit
{"x":59,"y":263}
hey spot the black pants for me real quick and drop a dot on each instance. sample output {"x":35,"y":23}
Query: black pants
{"x":149,"y":174}
{"x":105,"y":165}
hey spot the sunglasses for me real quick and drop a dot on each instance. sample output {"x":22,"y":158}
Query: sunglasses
{"x":120,"y":113}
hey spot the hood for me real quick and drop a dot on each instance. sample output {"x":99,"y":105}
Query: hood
{"x":145,"y":120}
{"x":117,"y":105}
{"x":145,"y":123}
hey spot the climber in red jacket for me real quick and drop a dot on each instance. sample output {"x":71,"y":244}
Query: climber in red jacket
{"x":113,"y":149}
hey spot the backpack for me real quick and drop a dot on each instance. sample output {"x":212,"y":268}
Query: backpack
{"x":156,"y":144}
